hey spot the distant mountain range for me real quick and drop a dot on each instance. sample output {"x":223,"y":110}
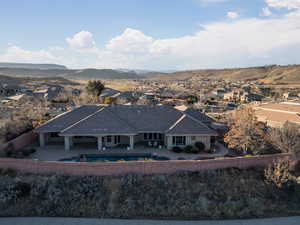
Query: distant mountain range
{"x":267,"y":74}
{"x":32,"y":66}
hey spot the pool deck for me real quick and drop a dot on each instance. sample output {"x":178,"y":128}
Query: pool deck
{"x":56,"y":152}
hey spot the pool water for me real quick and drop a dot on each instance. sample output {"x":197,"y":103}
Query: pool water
{"x":115,"y":158}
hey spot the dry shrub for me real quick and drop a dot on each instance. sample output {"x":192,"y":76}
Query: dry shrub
{"x":280,"y":173}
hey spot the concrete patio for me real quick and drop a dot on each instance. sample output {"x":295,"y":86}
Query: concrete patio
{"x":55,"y":152}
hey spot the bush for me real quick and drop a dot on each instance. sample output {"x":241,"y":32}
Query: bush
{"x":200,"y":146}
{"x":177,"y":149}
{"x":188,"y":149}
{"x":280,"y":173}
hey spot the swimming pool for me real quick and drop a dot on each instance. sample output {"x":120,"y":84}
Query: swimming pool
{"x":115,"y":157}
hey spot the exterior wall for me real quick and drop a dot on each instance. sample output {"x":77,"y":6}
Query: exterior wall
{"x":204,"y":139}
{"x":189,"y":141}
{"x":137,"y":167}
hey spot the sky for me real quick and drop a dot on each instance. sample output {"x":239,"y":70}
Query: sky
{"x":151,"y":34}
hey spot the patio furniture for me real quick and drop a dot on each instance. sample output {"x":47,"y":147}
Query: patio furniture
{"x":104,"y":149}
{"x":155,"y":144}
{"x":150,"y":144}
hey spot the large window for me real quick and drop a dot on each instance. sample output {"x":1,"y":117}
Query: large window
{"x":179,"y":140}
{"x":108,"y":139}
{"x":153,"y":136}
{"x":117,"y":139}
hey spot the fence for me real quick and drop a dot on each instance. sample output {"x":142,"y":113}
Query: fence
{"x":137,"y":167}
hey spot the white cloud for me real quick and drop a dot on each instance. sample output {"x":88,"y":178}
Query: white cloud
{"x":130,"y":41}
{"x":82,"y":40}
{"x":289,"y":4}
{"x":17,"y":54}
{"x":232,"y":15}
{"x":266,"y":12}
{"x":234,"y":43}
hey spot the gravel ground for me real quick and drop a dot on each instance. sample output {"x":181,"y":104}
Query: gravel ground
{"x":79,"y":221}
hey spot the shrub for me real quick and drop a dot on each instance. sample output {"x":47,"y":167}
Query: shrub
{"x":188,"y":149}
{"x":200,"y":146}
{"x":280,"y":173}
{"x":176,"y":149}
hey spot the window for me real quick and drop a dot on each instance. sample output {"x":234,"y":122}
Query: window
{"x":150,"y":136}
{"x":108,"y":139}
{"x":155,"y":136}
{"x":179,"y":140}
{"x":160,"y":136}
{"x":117,"y":139}
{"x":193,"y":138}
{"x":145,"y":136}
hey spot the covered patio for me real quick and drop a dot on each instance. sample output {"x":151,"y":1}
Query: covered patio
{"x":102,"y":142}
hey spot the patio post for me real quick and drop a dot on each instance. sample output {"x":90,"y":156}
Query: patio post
{"x":42,"y":139}
{"x":67,"y":143}
{"x":131,"y":137}
{"x":71,"y":142}
{"x":99,"y":143}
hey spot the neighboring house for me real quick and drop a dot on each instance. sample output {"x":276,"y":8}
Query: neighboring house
{"x":9,"y":90}
{"x":276,"y":114}
{"x":49,"y":93}
{"x":109,"y":92}
{"x":249,"y":97}
{"x":112,"y":126}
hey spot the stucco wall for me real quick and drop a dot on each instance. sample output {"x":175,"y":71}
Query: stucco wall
{"x":189,"y":141}
{"x":137,"y":167}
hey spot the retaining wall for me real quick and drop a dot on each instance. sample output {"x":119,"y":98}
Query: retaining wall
{"x":138,"y":167}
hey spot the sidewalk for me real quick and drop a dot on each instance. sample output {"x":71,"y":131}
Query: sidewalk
{"x":78,"y":221}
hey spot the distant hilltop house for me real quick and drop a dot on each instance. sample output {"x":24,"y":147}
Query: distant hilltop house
{"x":9,"y":90}
{"x":122,"y":125}
{"x":276,"y":114}
{"x":49,"y":93}
{"x":242,"y":96}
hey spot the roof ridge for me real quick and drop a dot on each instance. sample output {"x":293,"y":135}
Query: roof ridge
{"x":177,"y":122}
{"x":126,"y":122}
{"x":101,"y":109}
{"x":198,"y":121}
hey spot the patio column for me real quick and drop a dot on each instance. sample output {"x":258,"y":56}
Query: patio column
{"x":67,"y":143}
{"x":71,"y":142}
{"x":99,"y":143}
{"x":131,"y":137}
{"x":42,"y":139}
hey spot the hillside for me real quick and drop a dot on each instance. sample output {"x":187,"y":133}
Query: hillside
{"x":267,"y":74}
{"x":69,"y":74}
{"x":31,"y":81}
{"x":32,"y":66}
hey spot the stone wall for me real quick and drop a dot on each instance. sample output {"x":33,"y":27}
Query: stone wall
{"x":137,"y":167}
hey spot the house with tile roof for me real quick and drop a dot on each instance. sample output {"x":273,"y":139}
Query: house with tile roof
{"x":126,"y":125}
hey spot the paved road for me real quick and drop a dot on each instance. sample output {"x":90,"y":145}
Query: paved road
{"x":75,"y":221}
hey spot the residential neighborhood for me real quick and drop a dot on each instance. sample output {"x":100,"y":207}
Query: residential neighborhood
{"x":150,"y":112}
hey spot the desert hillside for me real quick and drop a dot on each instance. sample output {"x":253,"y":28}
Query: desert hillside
{"x":268,"y":74}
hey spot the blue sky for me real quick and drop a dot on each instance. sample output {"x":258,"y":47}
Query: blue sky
{"x":156,"y":34}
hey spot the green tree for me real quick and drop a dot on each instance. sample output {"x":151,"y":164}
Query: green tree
{"x":95,"y":88}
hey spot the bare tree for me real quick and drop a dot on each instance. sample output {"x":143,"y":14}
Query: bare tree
{"x":286,"y":138}
{"x":246,"y":134}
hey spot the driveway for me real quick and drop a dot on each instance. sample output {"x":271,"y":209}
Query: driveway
{"x":77,"y":221}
